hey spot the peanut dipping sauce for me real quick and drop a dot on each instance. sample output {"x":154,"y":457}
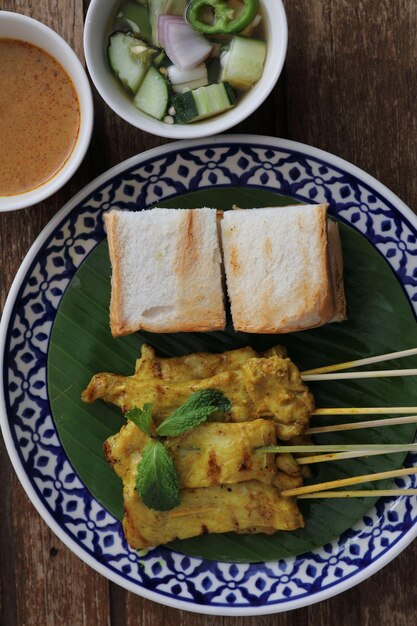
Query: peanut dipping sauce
{"x":39,"y":117}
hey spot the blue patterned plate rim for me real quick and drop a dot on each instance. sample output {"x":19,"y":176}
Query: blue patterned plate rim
{"x":241,"y":588}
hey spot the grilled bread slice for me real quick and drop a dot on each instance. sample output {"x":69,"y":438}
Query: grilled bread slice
{"x":278,"y":270}
{"x":166,"y":271}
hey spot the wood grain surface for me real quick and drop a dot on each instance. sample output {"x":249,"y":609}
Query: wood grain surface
{"x":349,"y":86}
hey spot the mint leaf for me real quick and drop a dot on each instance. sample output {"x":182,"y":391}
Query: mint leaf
{"x":157,"y":482}
{"x":193,"y":412}
{"x":142,"y":418}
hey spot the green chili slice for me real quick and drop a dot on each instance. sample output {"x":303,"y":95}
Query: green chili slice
{"x":226,"y":19}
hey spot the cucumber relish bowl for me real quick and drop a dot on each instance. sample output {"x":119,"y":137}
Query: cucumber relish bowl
{"x":101,"y":16}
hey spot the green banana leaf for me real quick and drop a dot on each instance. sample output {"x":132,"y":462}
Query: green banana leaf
{"x":380,"y":320}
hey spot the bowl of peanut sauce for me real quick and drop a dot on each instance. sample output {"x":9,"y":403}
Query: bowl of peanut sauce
{"x":46,"y":111}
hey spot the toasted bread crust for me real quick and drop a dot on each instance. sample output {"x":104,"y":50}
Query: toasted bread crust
{"x":117,"y":326}
{"x":121,"y":329}
{"x":336,"y":265}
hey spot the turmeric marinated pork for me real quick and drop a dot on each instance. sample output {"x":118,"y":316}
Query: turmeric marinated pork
{"x":246,"y":507}
{"x":197,"y":365}
{"x":266,"y":385}
{"x":226,"y":484}
{"x":210,"y":454}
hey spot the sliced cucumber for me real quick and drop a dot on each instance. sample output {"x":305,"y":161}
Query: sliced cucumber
{"x":129,"y":67}
{"x":152,"y":96}
{"x":135,"y":17}
{"x":204,"y":102}
{"x":244,"y":62}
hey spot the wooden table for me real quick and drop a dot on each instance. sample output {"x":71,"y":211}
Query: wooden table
{"x":349,"y":87}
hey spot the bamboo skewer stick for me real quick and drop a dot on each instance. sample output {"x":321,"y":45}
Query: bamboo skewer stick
{"x":359,"y":362}
{"x":357,"y":375}
{"x":348,"y":452}
{"x":365,"y":493}
{"x":339,"y":456}
{"x":371,"y":410}
{"x":345,"y":482}
{"x":404,"y":447}
{"x":390,"y":421}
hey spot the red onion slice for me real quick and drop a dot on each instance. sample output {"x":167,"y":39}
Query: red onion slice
{"x":163,"y":20}
{"x":185,"y":47}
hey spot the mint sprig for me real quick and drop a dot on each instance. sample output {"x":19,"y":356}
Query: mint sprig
{"x":142,"y":418}
{"x":195,"y":410}
{"x":157,"y":480}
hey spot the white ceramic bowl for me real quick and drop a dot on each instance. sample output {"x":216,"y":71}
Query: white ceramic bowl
{"x":21,"y":27}
{"x":98,"y":24}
